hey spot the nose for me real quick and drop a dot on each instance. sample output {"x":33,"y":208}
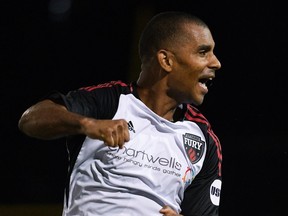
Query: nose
{"x":215,"y":63}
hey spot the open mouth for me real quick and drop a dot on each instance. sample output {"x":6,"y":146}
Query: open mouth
{"x":207,"y":82}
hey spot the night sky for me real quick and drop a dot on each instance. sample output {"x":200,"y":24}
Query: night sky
{"x":65,"y":44}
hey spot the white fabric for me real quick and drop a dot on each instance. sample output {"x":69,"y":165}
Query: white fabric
{"x":152,"y":170}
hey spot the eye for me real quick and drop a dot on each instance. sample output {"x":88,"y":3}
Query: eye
{"x":203,"y":52}
{"x":204,"y":49}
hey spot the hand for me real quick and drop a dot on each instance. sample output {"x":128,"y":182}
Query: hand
{"x":113,"y":132}
{"x":168,"y":211}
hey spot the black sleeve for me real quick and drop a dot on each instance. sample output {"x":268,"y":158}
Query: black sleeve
{"x":96,"y":104}
{"x":202,"y":197}
{"x":99,"y":101}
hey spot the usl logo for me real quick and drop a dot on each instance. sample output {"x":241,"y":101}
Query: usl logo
{"x":215,"y":191}
{"x":194,"y":147}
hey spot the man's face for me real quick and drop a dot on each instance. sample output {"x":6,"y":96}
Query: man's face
{"x":194,"y":64}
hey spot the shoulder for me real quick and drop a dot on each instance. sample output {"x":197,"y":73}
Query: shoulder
{"x":115,"y":85}
{"x":193,"y":114}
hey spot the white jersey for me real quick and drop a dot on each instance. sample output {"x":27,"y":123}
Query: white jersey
{"x":152,"y":170}
{"x":165,"y":163}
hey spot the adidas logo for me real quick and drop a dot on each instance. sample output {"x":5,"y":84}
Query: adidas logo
{"x":130,"y":126}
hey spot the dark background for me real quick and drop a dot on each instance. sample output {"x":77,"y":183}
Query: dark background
{"x":65,"y":44}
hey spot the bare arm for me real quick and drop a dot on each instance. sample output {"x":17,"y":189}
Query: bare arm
{"x":48,"y":120}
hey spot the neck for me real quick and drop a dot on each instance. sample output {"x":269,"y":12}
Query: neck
{"x":156,"y":99}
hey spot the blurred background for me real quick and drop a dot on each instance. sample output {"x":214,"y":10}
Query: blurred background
{"x":66,"y":44}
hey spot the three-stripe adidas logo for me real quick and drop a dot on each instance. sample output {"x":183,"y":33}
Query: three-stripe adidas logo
{"x":130,"y":126}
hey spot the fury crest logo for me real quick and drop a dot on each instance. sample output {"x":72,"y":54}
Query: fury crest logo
{"x":194,"y":147}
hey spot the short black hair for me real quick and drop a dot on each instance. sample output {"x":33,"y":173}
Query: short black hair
{"x":162,"y":29}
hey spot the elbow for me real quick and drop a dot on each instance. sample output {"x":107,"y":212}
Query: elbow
{"x":32,"y":125}
{"x":27,"y":124}
{"x":23,"y":125}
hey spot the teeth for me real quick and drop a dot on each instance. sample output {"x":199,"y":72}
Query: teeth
{"x":205,"y":82}
{"x":203,"y":85}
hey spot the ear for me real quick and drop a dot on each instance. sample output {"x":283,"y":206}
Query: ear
{"x":165,"y":60}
